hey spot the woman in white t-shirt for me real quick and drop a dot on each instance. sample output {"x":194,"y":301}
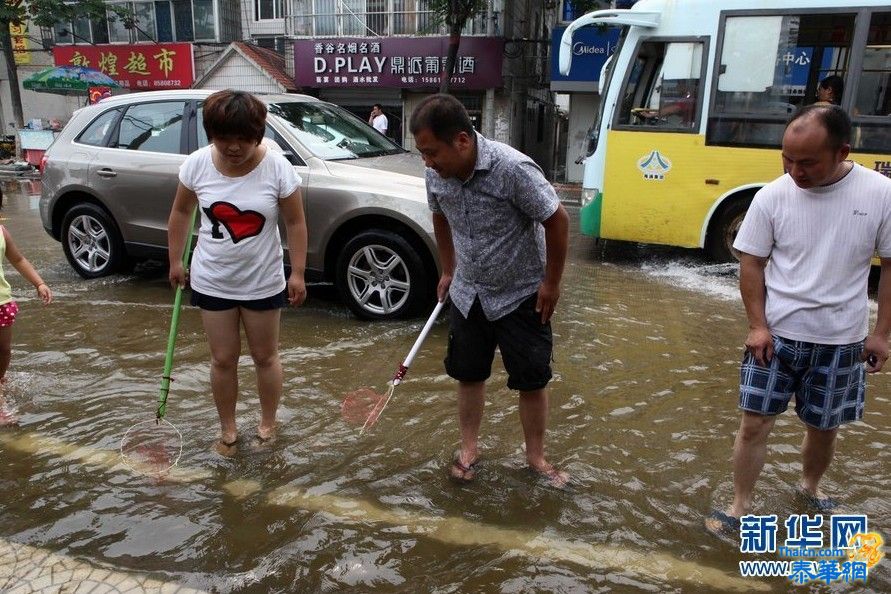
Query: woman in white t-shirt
{"x":237,"y":273}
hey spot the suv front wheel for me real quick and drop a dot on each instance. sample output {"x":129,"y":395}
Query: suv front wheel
{"x":91,"y":241}
{"x":381,"y":276}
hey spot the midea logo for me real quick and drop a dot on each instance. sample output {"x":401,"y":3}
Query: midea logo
{"x":580,"y":49}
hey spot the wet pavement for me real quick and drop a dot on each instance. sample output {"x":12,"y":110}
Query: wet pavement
{"x":643,"y":413}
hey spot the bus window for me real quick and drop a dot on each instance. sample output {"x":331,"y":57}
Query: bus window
{"x":874,"y":92}
{"x":769,"y":66}
{"x":663,"y":87}
{"x":873,"y":134}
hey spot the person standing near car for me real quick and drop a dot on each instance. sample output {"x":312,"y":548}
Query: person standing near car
{"x":236,"y":275}
{"x":502,"y":236}
{"x":806,"y":245}
{"x":378,"y":120}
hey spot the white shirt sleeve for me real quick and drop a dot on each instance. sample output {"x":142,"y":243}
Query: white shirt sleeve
{"x":187,"y":171}
{"x":755,"y":235}
{"x":288,"y":179}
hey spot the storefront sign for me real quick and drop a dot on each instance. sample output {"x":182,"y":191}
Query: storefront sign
{"x":136,"y":67}
{"x":18,"y":34}
{"x":21,"y":49}
{"x":397,"y":62}
{"x":590,"y":49}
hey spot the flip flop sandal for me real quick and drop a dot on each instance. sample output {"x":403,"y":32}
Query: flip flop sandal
{"x":728,"y":525}
{"x":223,"y":447}
{"x":463,"y":469}
{"x":821,"y":504}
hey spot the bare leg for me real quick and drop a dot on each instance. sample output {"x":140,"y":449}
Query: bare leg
{"x":224,"y":339}
{"x":5,"y":350}
{"x":471,"y":402}
{"x":749,"y":453}
{"x":816,"y":456}
{"x":262,"y":331}
{"x":534,"y":418}
{"x":7,"y":417}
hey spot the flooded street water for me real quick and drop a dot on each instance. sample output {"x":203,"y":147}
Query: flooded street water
{"x":643,"y":414}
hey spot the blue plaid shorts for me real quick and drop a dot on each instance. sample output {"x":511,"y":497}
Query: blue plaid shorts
{"x":829,"y":382}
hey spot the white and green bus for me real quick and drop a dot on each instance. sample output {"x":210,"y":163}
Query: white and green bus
{"x":695,"y":99}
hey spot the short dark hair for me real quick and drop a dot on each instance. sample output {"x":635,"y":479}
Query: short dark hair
{"x":836,"y":84}
{"x":832,"y":117}
{"x":234,"y":113}
{"x":378,"y":106}
{"x":443,"y":115}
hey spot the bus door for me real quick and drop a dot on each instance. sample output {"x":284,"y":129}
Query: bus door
{"x":653,"y":147}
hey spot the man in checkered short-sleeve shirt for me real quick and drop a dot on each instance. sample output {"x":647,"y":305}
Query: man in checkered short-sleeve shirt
{"x":502,"y":236}
{"x":806,"y":246}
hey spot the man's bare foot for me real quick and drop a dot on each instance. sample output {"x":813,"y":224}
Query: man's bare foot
{"x":463,"y":468}
{"x":264,"y":437}
{"x":818,"y":500}
{"x":551,"y":475}
{"x":226,"y":448}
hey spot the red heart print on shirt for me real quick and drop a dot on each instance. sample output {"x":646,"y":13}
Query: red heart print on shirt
{"x":241,"y":224}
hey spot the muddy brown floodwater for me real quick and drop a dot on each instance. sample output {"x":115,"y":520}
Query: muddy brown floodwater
{"x":643,"y":413}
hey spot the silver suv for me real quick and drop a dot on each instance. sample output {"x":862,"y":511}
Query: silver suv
{"x":110,"y":178}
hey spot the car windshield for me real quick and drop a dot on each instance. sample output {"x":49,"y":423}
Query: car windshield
{"x":330,"y":132}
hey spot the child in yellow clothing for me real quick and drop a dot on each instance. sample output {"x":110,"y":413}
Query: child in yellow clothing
{"x":8,"y":308}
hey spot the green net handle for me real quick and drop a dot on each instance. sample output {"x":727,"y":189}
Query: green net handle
{"x":174,"y":325}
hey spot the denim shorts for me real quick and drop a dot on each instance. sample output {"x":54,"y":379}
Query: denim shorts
{"x":211,"y":303}
{"x":828,"y":381}
{"x":525,"y":343}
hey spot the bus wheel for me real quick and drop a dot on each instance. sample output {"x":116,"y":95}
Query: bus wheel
{"x":723,"y":230}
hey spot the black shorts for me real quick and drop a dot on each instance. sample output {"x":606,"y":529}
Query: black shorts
{"x":525,"y":343}
{"x":211,"y":303}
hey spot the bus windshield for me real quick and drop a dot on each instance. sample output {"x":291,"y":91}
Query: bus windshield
{"x":593,"y":133}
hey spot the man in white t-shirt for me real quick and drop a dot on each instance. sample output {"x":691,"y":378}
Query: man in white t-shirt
{"x":378,"y":120}
{"x":806,"y":245}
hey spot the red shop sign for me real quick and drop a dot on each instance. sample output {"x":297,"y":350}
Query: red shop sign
{"x":143,"y":67}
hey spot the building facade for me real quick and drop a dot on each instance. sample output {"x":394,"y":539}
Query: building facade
{"x":171,"y":43}
{"x":501,"y":74}
{"x":351,"y":52}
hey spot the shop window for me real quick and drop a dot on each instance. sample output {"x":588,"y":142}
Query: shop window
{"x":265,"y":10}
{"x":117,"y":32}
{"x":405,"y":17}
{"x":81,"y":30}
{"x":164,"y":22}
{"x":378,"y":17}
{"x":205,"y":20}
{"x":145,"y":21}
{"x":325,"y":17}
{"x":182,"y":20}
{"x":352,"y":17}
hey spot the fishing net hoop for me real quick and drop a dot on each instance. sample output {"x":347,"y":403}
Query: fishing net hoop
{"x":365,"y":406}
{"x":138,"y":456}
